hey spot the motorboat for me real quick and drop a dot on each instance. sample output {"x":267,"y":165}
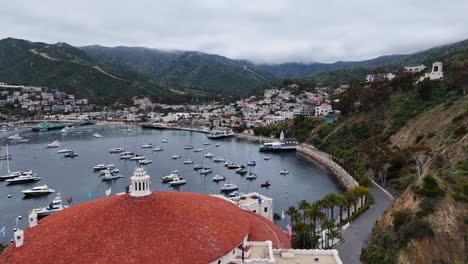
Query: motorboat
{"x":251,"y":176}
{"x":24,"y":178}
{"x":189,"y":161}
{"x":65,"y":130}
{"x":176,"y":156}
{"x":53,"y":207}
{"x":174,"y":174}
{"x":209,"y":155}
{"x":145,"y":162}
{"x":198,"y":150}
{"x":227,"y":163}
{"x":158,"y":149}
{"x":138,"y":157}
{"x":110,"y":169}
{"x":233,"y":166}
{"x":177,"y":181}
{"x":3,"y":129}
{"x":5,"y":157}
{"x":235,"y":194}
{"x":15,"y":137}
{"x":38,"y":190}
{"x":229,"y":187}
{"x":165,"y":141}
{"x":265,"y":184}
{"x":100,"y":167}
{"x":197,"y":167}
{"x":149,"y":145}
{"x":205,"y":171}
{"x":218,"y":178}
{"x":267,"y":158}
{"x":207,"y":143}
{"x":109,"y":176}
{"x":65,"y":150}
{"x":117,"y":150}
{"x":71,"y":154}
{"x":188,"y":147}
{"x":251,"y":163}
{"x":242,"y":170}
{"x":217,"y":145}
{"x":219,"y":159}
{"x":14,"y":174}
{"x":127,"y":156}
{"x":97,"y":135}
{"x":54,"y":144}
{"x":284,"y":172}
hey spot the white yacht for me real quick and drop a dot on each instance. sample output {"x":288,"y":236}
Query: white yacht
{"x":188,"y":147}
{"x":177,"y":181}
{"x":117,"y":150}
{"x":158,"y":149}
{"x":54,"y":206}
{"x":205,"y":171}
{"x":149,"y":145}
{"x":198,"y":150}
{"x":38,"y":190}
{"x":15,"y":137}
{"x":209,"y":155}
{"x":100,"y":167}
{"x":54,"y":144}
{"x":71,"y":154}
{"x":138,"y":157}
{"x":145,"y":162}
{"x":109,"y":169}
{"x":127,"y":155}
{"x":109,"y":176}
{"x":97,"y":135}
{"x":174,"y":174}
{"x":24,"y":178}
{"x":219,"y":159}
{"x":176,"y":156}
{"x":207,"y":143}
{"x":65,"y":150}
{"x":189,"y":161}
{"x":197,"y":167}
{"x":267,"y":158}
{"x":218,"y":178}
{"x":284,"y":172}
{"x":165,"y":141}
{"x":251,"y":176}
{"x":229,"y":187}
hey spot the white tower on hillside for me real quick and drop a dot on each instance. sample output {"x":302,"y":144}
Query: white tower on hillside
{"x":140,"y":183}
{"x":282,"y":135}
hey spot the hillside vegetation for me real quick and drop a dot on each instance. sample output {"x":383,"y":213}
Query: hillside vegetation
{"x":410,"y":137}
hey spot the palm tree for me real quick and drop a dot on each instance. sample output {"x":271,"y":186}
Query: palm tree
{"x":315,"y":213}
{"x":331,"y":200}
{"x":349,"y":201}
{"x":276,"y":217}
{"x":293,"y":214}
{"x":303,"y":205}
{"x":341,"y":202}
{"x":329,"y":224}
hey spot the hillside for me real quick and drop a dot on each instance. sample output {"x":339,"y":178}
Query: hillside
{"x":194,"y":70}
{"x":411,"y":138}
{"x":327,"y":71}
{"x":69,"y":69}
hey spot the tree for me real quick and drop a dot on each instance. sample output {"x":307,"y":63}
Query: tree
{"x":425,"y":89}
{"x":341,"y":202}
{"x":314,"y":213}
{"x":458,"y":77}
{"x":276,"y":217}
{"x":418,"y":153}
{"x":331,"y":201}
{"x":328,"y":224}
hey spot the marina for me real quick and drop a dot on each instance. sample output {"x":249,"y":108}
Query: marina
{"x":77,"y":178}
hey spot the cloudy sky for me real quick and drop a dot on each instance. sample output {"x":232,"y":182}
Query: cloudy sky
{"x":269,"y":31}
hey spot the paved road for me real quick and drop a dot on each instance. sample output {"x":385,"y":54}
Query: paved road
{"x":360,"y":229}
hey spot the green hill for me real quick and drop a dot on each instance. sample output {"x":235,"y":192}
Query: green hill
{"x":71,"y":70}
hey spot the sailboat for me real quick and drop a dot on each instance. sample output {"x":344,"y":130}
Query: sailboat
{"x":12,"y":174}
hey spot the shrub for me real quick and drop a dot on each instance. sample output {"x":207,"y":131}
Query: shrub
{"x":400,"y":217}
{"x":426,"y":206}
{"x":417,"y":229}
{"x":429,"y":188}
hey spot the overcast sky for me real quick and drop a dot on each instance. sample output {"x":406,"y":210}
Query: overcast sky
{"x":269,"y":31}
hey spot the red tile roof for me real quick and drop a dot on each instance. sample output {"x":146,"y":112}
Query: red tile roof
{"x":164,"y":227}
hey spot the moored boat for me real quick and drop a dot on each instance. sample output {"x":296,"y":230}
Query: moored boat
{"x":229,"y":187}
{"x":38,"y":190}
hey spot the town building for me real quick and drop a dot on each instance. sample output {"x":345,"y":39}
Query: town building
{"x":418,"y":68}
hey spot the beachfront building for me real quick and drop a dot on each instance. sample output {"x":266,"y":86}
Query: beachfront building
{"x":159,"y":227}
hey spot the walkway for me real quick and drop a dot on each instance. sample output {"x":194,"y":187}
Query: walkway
{"x":360,"y":229}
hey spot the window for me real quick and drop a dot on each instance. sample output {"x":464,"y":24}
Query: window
{"x":254,"y":211}
{"x":219,"y":261}
{"x":316,"y":259}
{"x":265,"y":209}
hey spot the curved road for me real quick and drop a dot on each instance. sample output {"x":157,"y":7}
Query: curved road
{"x":360,"y":229}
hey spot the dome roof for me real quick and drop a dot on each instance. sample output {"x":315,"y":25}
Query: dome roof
{"x":164,"y":227}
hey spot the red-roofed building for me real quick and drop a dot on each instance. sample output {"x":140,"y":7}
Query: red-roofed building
{"x":151,"y":227}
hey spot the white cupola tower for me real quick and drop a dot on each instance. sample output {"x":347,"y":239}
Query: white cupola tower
{"x":282,"y":135}
{"x":33,"y":218}
{"x":140,"y":183}
{"x":19,"y":237}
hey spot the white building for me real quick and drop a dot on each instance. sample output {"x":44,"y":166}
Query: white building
{"x":436,"y":72}
{"x":375,"y":77}
{"x":323,"y":109}
{"x":415,"y":68}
